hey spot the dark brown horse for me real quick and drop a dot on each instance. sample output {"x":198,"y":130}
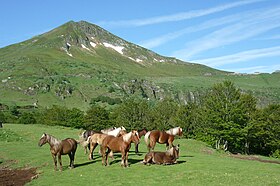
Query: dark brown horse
{"x":118,"y":144}
{"x":140,"y":133}
{"x":60,"y":147}
{"x":166,"y":158}
{"x":162,"y":137}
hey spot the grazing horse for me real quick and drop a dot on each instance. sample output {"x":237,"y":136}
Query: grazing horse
{"x":165,"y":158}
{"x":97,"y":138}
{"x":140,"y":133}
{"x":60,"y":147}
{"x":162,"y":137}
{"x":118,"y":144}
{"x":84,"y":137}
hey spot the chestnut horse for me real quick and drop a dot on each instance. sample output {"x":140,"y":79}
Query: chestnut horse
{"x":60,"y":147}
{"x":97,"y":138}
{"x":162,"y":137}
{"x":118,"y":144}
{"x":166,"y":158}
{"x":140,"y":133}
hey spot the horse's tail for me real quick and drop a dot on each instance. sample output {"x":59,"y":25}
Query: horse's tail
{"x":147,"y":135}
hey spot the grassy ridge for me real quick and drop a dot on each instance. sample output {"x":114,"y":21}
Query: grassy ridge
{"x":198,"y":164}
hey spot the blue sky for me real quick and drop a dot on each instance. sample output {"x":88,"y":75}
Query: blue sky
{"x":239,"y":36}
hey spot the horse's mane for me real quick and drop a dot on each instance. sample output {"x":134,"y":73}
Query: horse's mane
{"x":126,"y":137}
{"x":52,"y":140}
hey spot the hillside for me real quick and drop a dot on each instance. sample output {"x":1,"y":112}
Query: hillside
{"x":78,"y":61}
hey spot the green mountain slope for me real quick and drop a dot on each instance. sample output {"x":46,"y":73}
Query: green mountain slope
{"x":78,"y":61}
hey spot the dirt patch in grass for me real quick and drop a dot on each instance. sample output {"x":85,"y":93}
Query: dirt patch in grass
{"x":17,"y":176}
{"x":253,"y":158}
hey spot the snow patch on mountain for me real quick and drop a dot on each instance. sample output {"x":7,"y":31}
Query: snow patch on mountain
{"x":93,"y":44}
{"x":116,"y":48}
{"x":83,"y":46}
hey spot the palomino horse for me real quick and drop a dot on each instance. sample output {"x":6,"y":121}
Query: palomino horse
{"x":118,"y":144}
{"x":140,"y":133}
{"x":162,"y":137}
{"x":97,"y":138}
{"x":83,"y":137}
{"x":166,"y":158}
{"x":60,"y":147}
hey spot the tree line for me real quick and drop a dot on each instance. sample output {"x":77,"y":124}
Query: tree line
{"x":225,"y":117}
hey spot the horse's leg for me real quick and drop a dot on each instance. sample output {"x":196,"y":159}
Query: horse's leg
{"x":136,"y":149}
{"x":126,"y":159}
{"x":72,"y":157}
{"x":92,"y":147}
{"x":111,"y":155}
{"x":55,"y":162}
{"x":123,"y":159}
{"x":152,"y":144}
{"x":108,"y":151}
{"x":59,"y":160}
{"x":103,"y":152}
{"x":170,"y":142}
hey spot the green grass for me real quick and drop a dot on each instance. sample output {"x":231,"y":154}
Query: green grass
{"x":198,"y":163}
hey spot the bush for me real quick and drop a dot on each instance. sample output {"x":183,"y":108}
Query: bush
{"x":27,"y":118}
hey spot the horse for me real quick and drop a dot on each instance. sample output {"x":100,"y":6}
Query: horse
{"x":60,"y":147}
{"x":83,"y":137}
{"x":97,"y":138}
{"x":114,"y":132}
{"x":118,"y":144}
{"x":140,"y":133}
{"x":166,"y":158}
{"x":105,"y":131}
{"x":162,"y":137}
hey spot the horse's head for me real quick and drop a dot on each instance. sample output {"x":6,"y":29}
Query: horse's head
{"x":173,"y":151}
{"x":180,"y":131}
{"x":43,"y":140}
{"x":122,"y":128}
{"x":135,"y":137}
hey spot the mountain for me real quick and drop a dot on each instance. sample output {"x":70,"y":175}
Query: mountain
{"x":79,"y":62}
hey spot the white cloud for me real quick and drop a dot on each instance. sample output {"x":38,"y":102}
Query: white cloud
{"x":241,"y":56}
{"x":251,"y":26}
{"x":155,"y":42}
{"x":178,"y":16}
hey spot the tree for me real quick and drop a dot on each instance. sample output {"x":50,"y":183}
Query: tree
{"x":163,"y":114}
{"x":96,"y":118}
{"x":133,"y":113}
{"x":264,"y":132}
{"x":228,"y":113}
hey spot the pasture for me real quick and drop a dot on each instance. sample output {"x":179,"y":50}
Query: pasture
{"x":198,"y":164}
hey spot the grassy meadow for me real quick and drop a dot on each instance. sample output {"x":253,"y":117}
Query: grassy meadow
{"x":198,"y":164}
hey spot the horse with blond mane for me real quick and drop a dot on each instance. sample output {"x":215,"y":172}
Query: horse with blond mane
{"x":60,"y":147}
{"x":118,"y":144}
{"x":162,"y":137}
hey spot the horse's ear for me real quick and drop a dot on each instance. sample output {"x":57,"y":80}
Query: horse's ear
{"x":178,"y":145}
